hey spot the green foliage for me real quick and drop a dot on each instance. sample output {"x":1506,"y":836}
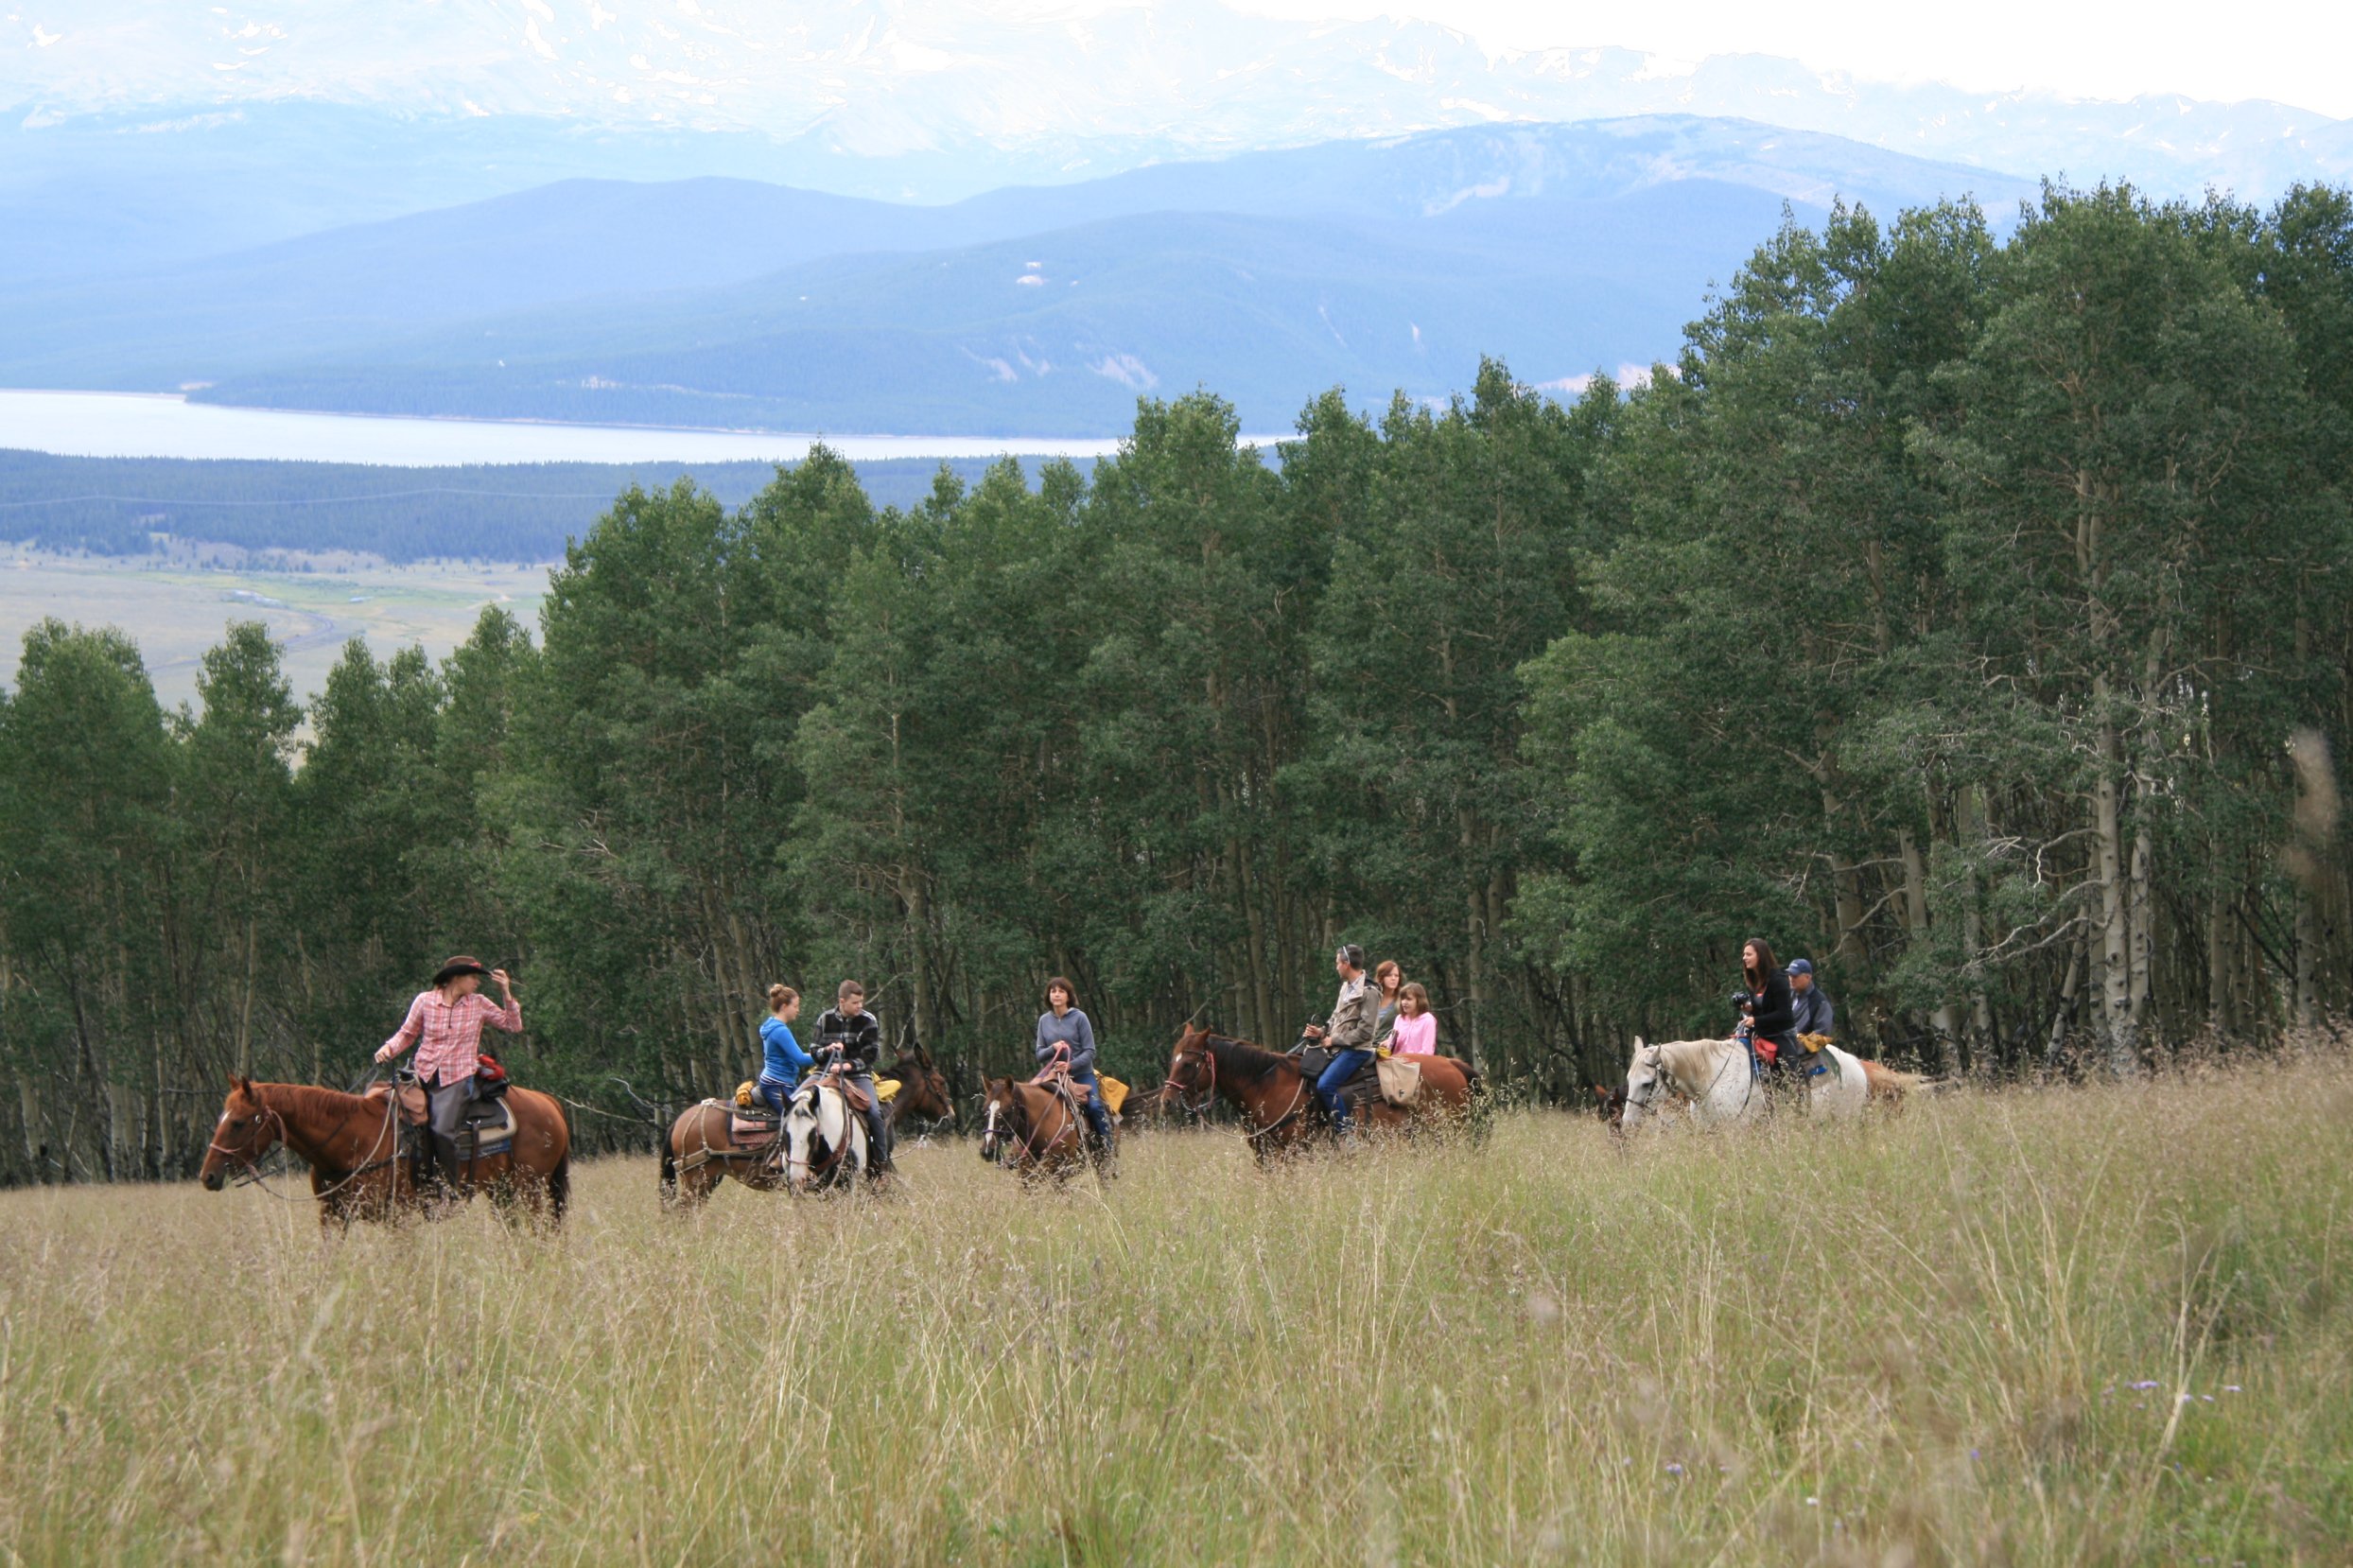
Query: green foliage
{"x":1944,"y":616}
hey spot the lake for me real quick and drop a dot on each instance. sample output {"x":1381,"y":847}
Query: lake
{"x":155,"y":425}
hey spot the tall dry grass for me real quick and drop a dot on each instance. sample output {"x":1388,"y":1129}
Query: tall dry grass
{"x":2079,"y":1325}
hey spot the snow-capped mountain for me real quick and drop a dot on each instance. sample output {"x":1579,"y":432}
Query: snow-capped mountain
{"x":935,"y":99}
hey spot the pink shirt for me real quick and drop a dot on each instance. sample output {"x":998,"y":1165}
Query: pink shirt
{"x":1414,"y":1037}
{"x":448,"y":1034}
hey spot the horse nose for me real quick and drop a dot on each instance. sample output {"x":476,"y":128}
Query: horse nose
{"x":211,"y":1180}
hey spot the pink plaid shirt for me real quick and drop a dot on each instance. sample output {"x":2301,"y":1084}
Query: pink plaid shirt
{"x":451,"y":1032}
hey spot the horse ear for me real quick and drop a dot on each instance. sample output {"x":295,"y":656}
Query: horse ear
{"x":244,"y":1084}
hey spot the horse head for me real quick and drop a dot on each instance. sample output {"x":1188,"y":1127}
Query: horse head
{"x":922,"y":1087}
{"x":1192,"y":1070}
{"x":246,"y":1129}
{"x":1644,"y":1078}
{"x":815,"y":1119}
{"x":1000,"y":1113}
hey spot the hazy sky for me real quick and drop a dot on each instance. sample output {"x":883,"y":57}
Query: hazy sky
{"x":2300,"y":52}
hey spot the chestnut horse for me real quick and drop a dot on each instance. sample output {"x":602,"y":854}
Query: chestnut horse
{"x":1030,"y":1130}
{"x":1278,"y":1102}
{"x":701,"y":1130}
{"x":353,"y":1146}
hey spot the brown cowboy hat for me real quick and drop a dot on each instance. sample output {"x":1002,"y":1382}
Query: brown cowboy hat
{"x":462,"y":963}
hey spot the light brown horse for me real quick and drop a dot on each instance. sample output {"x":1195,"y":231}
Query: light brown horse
{"x":359,"y":1169}
{"x":700,"y":1152}
{"x":1278,"y":1102}
{"x":1030,"y":1130}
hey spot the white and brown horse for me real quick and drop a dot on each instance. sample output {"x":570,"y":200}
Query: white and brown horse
{"x":1711,"y":1082}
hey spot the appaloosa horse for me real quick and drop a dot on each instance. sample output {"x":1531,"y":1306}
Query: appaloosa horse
{"x":1278,"y":1102}
{"x":700,"y":1150}
{"x":1032,"y":1130}
{"x":359,"y":1169}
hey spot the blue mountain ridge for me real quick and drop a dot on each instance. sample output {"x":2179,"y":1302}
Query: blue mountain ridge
{"x":1380,"y":265}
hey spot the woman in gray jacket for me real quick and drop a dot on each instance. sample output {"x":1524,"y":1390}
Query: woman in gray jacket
{"x":1065,"y":1035}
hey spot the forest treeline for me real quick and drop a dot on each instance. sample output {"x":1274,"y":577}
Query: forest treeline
{"x":1969,"y":615}
{"x":522,"y":511}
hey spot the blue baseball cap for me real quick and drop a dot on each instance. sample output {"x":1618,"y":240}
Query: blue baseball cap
{"x":1798,"y":965}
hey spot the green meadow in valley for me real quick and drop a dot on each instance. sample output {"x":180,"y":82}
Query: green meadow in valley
{"x":2040,"y":1325}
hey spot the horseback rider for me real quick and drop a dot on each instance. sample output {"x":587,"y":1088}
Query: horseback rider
{"x":1389,"y":989}
{"x":783,"y":1062}
{"x":1348,"y":1034}
{"x":848,"y":1034}
{"x":1067,"y":1038}
{"x":1772,"y":1018}
{"x":446,"y":1026}
{"x":1810,"y":1003}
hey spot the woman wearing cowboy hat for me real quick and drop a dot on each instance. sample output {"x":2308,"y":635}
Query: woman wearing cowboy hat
{"x":445,"y":1025}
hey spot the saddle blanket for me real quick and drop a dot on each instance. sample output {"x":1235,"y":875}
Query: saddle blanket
{"x":486,"y":1128}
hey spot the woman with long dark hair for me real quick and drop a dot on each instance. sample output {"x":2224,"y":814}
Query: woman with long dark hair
{"x":1772,"y":1013}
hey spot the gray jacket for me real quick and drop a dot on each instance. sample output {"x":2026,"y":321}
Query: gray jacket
{"x":1353,"y":1016}
{"x":1071,"y":1028}
{"x":1814,"y":1013}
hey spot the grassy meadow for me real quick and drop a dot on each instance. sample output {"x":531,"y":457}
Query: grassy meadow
{"x":2103,"y":1325}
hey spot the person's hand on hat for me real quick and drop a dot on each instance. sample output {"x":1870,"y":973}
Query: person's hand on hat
{"x":499,"y":978}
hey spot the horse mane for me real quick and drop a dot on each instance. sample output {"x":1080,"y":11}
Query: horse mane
{"x":308,"y":1099}
{"x":1243,"y":1058}
{"x":1683,"y":1058}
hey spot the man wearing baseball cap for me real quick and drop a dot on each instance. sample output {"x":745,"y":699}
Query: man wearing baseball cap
{"x":1814,"y":1013}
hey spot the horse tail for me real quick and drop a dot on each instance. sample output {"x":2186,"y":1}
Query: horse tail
{"x":560,"y":1179}
{"x":670,"y":1167}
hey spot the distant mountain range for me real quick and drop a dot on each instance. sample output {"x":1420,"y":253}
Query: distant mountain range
{"x":925,"y":215}
{"x":1378,"y":265}
{"x":133,"y":129}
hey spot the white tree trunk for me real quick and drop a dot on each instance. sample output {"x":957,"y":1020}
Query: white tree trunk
{"x":2116,"y":975}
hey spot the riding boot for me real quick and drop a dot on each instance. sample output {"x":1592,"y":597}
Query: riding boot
{"x":452,"y":1172}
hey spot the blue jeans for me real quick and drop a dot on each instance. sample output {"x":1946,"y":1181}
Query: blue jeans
{"x":1098,"y":1115}
{"x":1343,"y":1068}
{"x":774,"y":1093}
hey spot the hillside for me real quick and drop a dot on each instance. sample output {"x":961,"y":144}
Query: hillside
{"x":1041,"y":311}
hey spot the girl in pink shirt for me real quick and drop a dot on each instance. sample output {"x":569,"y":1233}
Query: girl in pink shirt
{"x":1416,"y":1034}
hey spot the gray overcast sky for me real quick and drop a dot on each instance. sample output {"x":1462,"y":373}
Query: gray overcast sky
{"x":2298,"y":52}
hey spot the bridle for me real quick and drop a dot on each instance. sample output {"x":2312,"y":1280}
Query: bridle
{"x":248,"y":1174}
{"x":1209,"y":1092}
{"x":255,"y":1145}
{"x":1027,"y":1138}
{"x":1664,"y":1078}
{"x":828,"y":1082}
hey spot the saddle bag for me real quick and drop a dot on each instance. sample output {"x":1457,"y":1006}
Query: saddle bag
{"x":1401,"y":1079}
{"x":490,"y":1078}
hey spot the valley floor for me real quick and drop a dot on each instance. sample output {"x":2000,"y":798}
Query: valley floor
{"x":175,"y":609}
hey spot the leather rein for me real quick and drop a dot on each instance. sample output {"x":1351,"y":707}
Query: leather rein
{"x":249,"y":1170}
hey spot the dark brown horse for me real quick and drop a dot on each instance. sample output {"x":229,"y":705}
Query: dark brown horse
{"x":922,"y":1095}
{"x":359,"y":1169}
{"x":1032,"y":1130}
{"x":701,"y":1152}
{"x":1278,"y":1103}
